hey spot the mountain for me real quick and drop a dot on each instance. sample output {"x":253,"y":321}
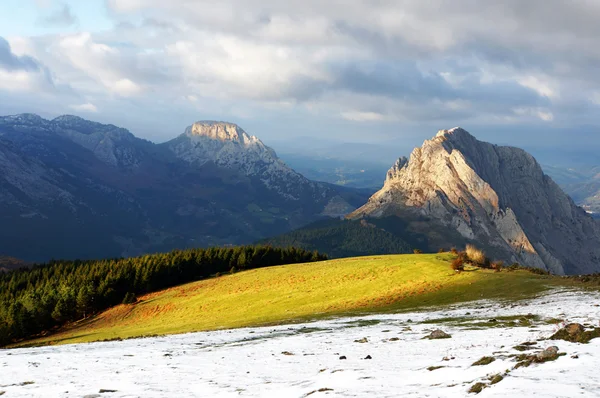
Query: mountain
{"x":494,"y":196}
{"x":72,"y":188}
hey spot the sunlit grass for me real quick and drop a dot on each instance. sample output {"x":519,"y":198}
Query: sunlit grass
{"x":303,"y":291}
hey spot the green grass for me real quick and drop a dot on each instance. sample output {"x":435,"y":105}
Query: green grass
{"x":300,"y":292}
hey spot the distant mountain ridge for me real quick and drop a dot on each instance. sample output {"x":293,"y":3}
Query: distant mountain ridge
{"x":494,"y":196}
{"x":73,"y":188}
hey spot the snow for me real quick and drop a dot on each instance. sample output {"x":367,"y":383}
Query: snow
{"x":251,"y":362}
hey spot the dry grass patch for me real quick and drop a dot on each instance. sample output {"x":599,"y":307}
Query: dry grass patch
{"x":475,"y":255}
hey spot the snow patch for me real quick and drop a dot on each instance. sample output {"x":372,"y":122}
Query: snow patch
{"x":295,"y":360}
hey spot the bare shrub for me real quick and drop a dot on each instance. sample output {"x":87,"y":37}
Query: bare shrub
{"x":498,"y":265}
{"x":475,"y":255}
{"x":458,"y":264}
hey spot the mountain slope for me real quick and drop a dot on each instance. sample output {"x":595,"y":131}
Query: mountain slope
{"x":347,"y":238}
{"x":72,"y":188}
{"x":495,"y":196}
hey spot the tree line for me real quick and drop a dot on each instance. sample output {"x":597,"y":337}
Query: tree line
{"x":53,"y":294}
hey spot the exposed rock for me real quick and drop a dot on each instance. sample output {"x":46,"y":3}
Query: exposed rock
{"x":548,"y":353}
{"x":574,"y":329}
{"x":477,"y":388}
{"x":576,"y":333}
{"x":438,"y":334}
{"x":526,"y":346}
{"x":484,"y":361}
{"x":495,"y":379}
{"x":432,"y":368}
{"x":495,"y":196}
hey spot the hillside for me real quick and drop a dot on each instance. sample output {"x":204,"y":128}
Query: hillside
{"x":53,"y":294}
{"x":299,"y":292}
{"x":350,"y":238}
{"x":72,"y":188}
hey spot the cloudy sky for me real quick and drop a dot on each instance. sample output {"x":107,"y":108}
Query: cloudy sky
{"x":381,"y":71}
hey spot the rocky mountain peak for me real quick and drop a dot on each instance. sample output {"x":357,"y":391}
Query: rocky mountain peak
{"x":452,"y":132}
{"x":494,"y":196}
{"x":220,"y":131}
{"x":224,"y":143}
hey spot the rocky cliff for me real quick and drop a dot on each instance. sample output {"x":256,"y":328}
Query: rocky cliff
{"x":494,"y":196}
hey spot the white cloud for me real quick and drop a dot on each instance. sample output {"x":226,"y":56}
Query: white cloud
{"x":542,"y":114}
{"x":21,"y":72}
{"x":87,"y":107}
{"x":539,"y":86}
{"x":362,"y":61}
{"x":545,"y":116}
{"x":358,"y":116}
{"x":19,"y":80}
{"x":126,"y":88}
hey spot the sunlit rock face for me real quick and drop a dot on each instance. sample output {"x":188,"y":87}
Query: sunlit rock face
{"x":495,"y":196}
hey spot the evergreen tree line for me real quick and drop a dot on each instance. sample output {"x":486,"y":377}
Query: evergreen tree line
{"x":49,"y":295}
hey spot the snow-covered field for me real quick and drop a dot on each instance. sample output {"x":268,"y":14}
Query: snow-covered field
{"x":304,"y":360}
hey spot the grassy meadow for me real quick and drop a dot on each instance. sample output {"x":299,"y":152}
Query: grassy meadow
{"x":301,"y":292}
